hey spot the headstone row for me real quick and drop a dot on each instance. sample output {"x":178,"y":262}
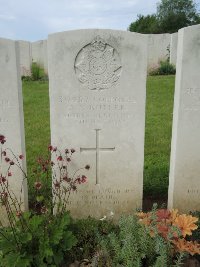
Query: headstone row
{"x":97,"y":101}
{"x":160,"y":47}
{"x":32,"y":52}
{"x":184,"y":179}
{"x":11,"y":125}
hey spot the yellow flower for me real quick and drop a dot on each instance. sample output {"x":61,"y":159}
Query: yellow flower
{"x":186,"y":224}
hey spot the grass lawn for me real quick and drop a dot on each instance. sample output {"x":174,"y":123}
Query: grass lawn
{"x":159,"y":110}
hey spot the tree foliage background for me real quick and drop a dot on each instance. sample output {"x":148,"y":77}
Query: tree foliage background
{"x":171,"y":16}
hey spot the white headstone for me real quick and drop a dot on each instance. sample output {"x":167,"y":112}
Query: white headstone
{"x":11,"y":118}
{"x":25,"y":58}
{"x":184,"y":180}
{"x":39,"y":53}
{"x":158,"y":45}
{"x":97,"y":99}
{"x":173,"y":48}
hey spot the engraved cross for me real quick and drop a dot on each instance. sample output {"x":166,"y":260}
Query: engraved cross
{"x":98,"y":150}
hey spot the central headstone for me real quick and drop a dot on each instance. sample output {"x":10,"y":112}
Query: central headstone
{"x":97,"y":98}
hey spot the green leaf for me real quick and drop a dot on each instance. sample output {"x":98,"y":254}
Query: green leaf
{"x":58,"y":257}
{"x":25,"y":237}
{"x":35,"y":222}
{"x":39,"y":198}
{"x":69,"y":240}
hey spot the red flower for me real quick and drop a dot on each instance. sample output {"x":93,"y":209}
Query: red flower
{"x":9,"y":173}
{"x":2,"y":139}
{"x":59,"y":158}
{"x":66,"y":179}
{"x":21,"y":156}
{"x":83,"y":179}
{"x":57,"y":185}
{"x":7,"y":159}
{"x":38,"y":185}
{"x":50,"y":147}
{"x":18,"y":213}
{"x":2,"y":179}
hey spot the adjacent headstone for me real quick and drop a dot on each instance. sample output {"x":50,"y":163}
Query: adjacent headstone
{"x":11,"y":119}
{"x":173,"y":48}
{"x":158,"y":48}
{"x":39,"y":53}
{"x":184,"y":180}
{"x":25,"y":58}
{"x":97,"y":101}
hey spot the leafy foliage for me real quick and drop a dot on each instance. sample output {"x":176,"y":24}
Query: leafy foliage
{"x":174,"y":15}
{"x":145,"y":24}
{"x":89,"y":232}
{"x":39,"y":240}
{"x":170,"y":17}
{"x":134,"y":246}
{"x":37,"y":73}
{"x":164,"y":68}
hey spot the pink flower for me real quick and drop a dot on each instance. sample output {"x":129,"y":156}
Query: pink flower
{"x":38,"y":185}
{"x":21,"y":156}
{"x":2,"y":179}
{"x":2,"y":139}
{"x":57,"y":185}
{"x":59,"y":158}
{"x":50,"y":147}
{"x":83,"y":179}
{"x":7,"y":159}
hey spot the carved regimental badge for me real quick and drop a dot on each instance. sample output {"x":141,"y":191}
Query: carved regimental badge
{"x":98,"y":65}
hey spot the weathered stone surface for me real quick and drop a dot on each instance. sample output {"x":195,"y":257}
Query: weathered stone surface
{"x":158,"y":45}
{"x":173,"y":48}
{"x":184,"y":181}
{"x":97,"y":99}
{"x":25,"y":58}
{"x":39,"y":53}
{"x":11,"y":117}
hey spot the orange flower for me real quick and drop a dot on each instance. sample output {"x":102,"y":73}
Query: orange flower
{"x":141,"y":215}
{"x":144,"y":218}
{"x":186,"y":223}
{"x":173,"y":214}
{"x":188,"y":246}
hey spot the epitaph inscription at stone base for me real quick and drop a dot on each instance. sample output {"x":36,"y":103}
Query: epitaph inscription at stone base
{"x":11,"y":118}
{"x":97,"y":101}
{"x":184,"y":180}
